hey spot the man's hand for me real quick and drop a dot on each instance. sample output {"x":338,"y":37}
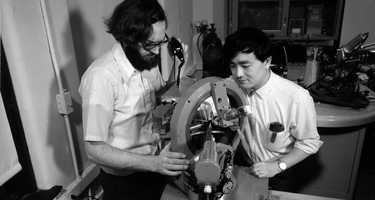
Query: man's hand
{"x":206,"y":110}
{"x":265,"y":169}
{"x":171,"y":163}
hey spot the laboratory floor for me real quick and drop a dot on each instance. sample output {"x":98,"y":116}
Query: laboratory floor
{"x":365,"y":184}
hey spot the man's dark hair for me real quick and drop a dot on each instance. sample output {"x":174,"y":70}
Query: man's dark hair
{"x":247,"y":40}
{"x":131,"y":21}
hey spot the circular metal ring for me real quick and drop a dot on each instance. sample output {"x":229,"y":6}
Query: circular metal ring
{"x":187,"y":106}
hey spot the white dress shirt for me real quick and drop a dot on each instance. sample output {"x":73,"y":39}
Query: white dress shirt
{"x":283,"y":101}
{"x":117,"y":103}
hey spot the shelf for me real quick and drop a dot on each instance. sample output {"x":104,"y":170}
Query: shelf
{"x":299,"y":20}
{"x":306,"y":37}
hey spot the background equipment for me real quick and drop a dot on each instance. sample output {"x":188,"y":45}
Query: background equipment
{"x":340,"y":83}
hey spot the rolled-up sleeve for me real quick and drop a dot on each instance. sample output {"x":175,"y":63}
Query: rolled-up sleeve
{"x":304,"y":126}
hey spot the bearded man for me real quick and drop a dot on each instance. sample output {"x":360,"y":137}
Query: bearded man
{"x":118,"y":93}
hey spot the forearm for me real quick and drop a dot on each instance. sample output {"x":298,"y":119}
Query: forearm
{"x":271,"y":168}
{"x":293,"y":157}
{"x":105,"y":155}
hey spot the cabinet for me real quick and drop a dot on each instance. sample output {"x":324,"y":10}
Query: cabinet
{"x":332,"y":172}
{"x":286,"y":19}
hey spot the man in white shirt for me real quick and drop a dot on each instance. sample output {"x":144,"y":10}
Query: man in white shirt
{"x":273,"y":100}
{"x":118,"y":95}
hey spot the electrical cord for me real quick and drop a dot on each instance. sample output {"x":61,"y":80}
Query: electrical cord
{"x":199,"y":50}
{"x":200,"y":53}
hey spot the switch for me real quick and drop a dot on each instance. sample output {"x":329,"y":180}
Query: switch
{"x":64,"y":103}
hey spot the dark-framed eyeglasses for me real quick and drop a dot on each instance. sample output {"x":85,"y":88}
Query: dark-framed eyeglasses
{"x":151,"y":45}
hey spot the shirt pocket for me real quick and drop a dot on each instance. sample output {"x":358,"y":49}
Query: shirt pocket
{"x":276,"y":141}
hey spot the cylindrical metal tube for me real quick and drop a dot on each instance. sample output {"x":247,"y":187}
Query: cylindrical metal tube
{"x":207,"y":169}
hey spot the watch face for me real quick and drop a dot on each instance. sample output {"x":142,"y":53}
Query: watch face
{"x":282,"y":165}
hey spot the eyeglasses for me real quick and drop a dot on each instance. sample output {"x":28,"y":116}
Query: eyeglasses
{"x":151,"y":45}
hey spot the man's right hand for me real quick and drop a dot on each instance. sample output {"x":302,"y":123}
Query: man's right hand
{"x":206,"y":111}
{"x":171,"y":163}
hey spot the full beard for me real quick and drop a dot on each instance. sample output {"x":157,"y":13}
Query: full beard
{"x":141,"y":62}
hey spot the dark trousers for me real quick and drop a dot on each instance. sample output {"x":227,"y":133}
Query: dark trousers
{"x":137,"y":186}
{"x":283,"y":181}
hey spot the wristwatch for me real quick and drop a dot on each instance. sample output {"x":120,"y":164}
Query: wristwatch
{"x":282,"y":165}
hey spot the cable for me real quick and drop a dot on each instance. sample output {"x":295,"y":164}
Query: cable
{"x":203,"y":58}
{"x":286,"y":55}
{"x":199,"y":50}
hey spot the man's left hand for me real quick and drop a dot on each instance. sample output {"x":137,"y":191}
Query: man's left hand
{"x":265,"y":169}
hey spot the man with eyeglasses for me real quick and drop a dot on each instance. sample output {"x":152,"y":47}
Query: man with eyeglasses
{"x":118,"y":93}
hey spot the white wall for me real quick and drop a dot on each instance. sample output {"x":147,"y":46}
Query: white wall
{"x":359,"y":16}
{"x":88,"y":29}
{"x":180,"y":16}
{"x":35,"y":85}
{"x":213,"y":11}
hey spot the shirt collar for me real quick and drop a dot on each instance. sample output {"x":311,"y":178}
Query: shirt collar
{"x":123,"y":62}
{"x":266,"y":88}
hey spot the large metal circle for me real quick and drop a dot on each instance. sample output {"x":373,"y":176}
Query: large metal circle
{"x":187,"y":106}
